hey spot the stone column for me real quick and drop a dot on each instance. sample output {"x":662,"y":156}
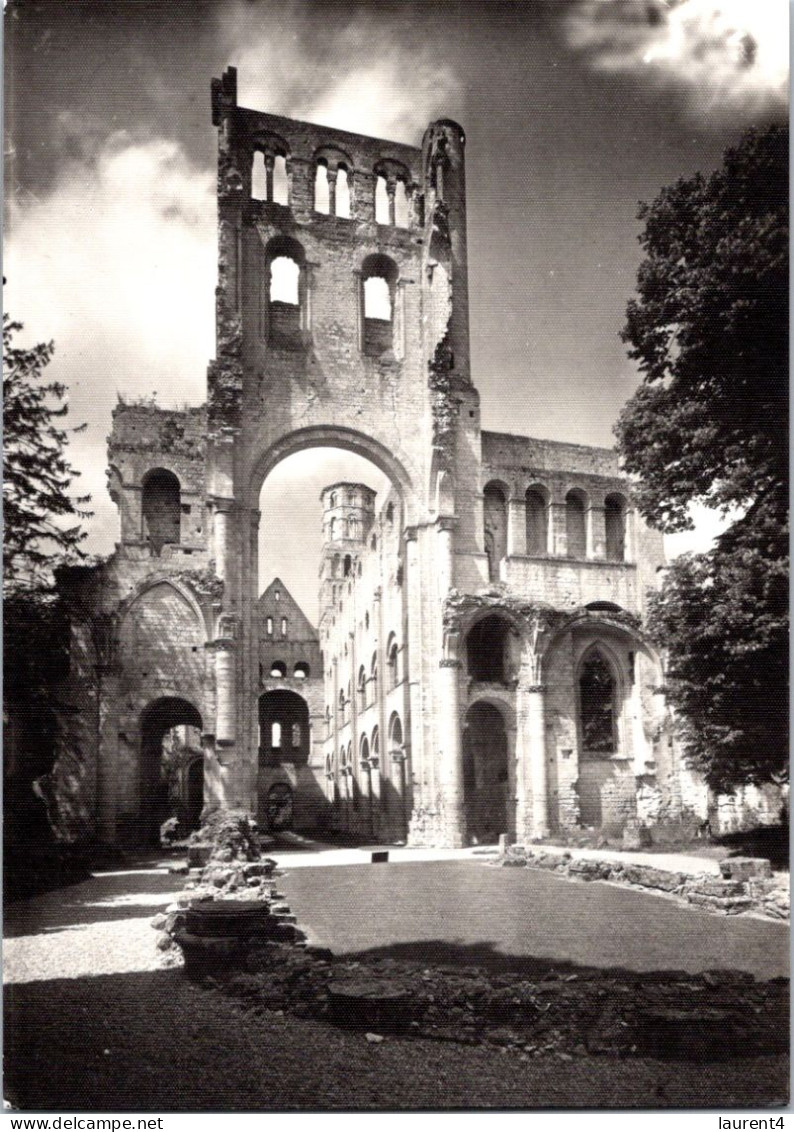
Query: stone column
{"x":225,"y":692}
{"x":107,"y":755}
{"x":516,"y":527}
{"x":332,"y":192}
{"x":391,"y":189}
{"x":450,"y":754}
{"x":536,"y":750}
{"x":445,"y":556}
{"x":270,"y":162}
{"x":221,"y":539}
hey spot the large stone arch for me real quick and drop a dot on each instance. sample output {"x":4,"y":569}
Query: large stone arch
{"x":161,"y":639}
{"x":392,"y":462}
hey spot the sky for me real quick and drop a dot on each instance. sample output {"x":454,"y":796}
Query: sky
{"x":574,"y":111}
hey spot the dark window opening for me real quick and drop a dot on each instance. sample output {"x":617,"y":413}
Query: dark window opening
{"x":495,"y":528}
{"x":486,"y":650}
{"x":575,"y":524}
{"x":615,"y":525}
{"x":161,"y":507}
{"x":537,"y":523}
{"x":597,"y":706}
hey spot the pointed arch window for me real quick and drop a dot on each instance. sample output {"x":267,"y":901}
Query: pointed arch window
{"x":597,"y":706}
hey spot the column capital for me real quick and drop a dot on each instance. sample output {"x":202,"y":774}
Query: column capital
{"x":222,"y":504}
{"x":410,"y":534}
{"x":447,"y":522}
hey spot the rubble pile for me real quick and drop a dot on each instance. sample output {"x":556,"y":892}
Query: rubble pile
{"x":229,"y":904}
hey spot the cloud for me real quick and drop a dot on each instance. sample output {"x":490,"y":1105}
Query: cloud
{"x":366,"y":75}
{"x":729,"y":57}
{"x":117,"y":265}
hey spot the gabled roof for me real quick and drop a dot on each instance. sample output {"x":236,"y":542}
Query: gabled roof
{"x":300,"y":627}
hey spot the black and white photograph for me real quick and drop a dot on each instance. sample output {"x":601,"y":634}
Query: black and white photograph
{"x":396,"y":559}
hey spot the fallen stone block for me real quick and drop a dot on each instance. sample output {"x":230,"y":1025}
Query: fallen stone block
{"x":742,"y":868}
{"x":649,"y":877}
{"x":729,"y":904}
{"x":711,"y":886}
{"x":590,"y":870}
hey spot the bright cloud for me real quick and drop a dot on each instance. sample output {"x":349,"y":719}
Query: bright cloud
{"x":363,"y":76}
{"x":729,"y":56}
{"x":117,"y":265}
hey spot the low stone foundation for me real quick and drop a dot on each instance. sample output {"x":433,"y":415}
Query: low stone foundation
{"x":713,"y":1016}
{"x":745,"y":884}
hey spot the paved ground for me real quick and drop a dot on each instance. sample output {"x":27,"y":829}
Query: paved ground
{"x":92,"y":1025}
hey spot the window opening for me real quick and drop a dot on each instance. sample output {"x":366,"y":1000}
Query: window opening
{"x":322,"y":196}
{"x":401,"y":205}
{"x":597,"y":706}
{"x":381,"y":201}
{"x":575,"y":525}
{"x":342,"y":193}
{"x":280,"y":181}
{"x":537,"y":523}
{"x":258,"y":177}
{"x":615,"y":524}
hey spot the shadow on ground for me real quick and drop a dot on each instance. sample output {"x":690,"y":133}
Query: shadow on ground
{"x":103,"y":897}
{"x":770,"y":841}
{"x":155,"y":1042}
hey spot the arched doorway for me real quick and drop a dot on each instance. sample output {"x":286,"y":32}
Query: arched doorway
{"x":171,"y":769}
{"x":485,"y":773}
{"x":279,"y":808}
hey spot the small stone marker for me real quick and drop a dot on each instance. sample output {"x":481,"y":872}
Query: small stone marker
{"x":380,"y":857}
{"x":743,"y":868}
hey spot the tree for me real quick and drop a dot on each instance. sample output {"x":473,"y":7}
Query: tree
{"x":37,"y":507}
{"x":39,"y":535}
{"x":708,"y":425}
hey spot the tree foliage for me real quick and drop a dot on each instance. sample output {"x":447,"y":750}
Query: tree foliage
{"x":38,"y":511}
{"x":709,"y":330}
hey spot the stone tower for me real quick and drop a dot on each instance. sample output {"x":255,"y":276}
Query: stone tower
{"x":342,"y":320}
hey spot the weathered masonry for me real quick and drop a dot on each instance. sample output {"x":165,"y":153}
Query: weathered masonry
{"x":480,"y":665}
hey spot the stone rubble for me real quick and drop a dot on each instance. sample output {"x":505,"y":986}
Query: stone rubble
{"x":746,"y":884}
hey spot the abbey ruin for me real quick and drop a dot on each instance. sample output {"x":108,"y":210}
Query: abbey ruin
{"x":479,"y":666}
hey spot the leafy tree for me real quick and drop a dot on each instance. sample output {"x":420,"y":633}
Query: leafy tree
{"x":708,"y":425}
{"x":37,"y":475}
{"x":40,"y":534}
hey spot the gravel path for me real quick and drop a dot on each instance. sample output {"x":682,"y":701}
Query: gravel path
{"x":92,"y":1025}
